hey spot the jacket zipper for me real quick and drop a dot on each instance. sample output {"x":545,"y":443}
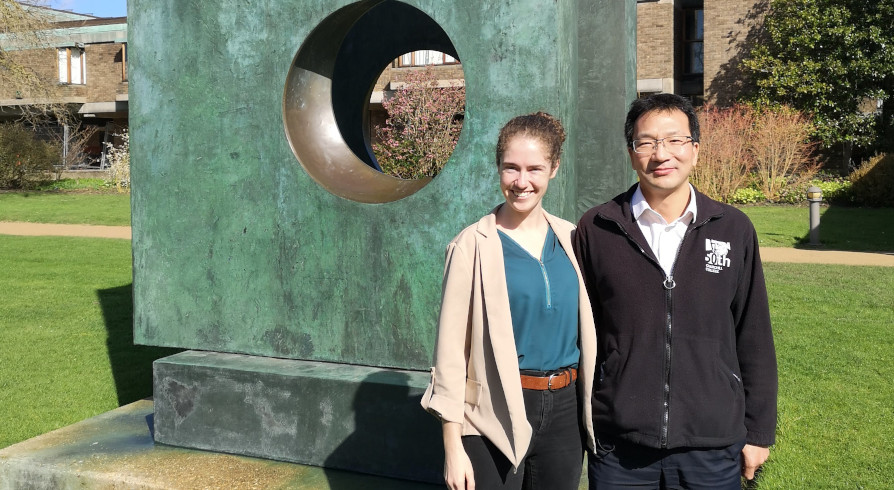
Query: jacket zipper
{"x":668,"y":284}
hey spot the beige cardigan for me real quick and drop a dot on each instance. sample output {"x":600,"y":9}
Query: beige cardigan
{"x":475,"y":379}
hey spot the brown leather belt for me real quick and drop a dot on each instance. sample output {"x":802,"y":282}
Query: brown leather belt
{"x":552,"y":382}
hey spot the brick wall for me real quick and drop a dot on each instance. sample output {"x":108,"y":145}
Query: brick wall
{"x":442,"y":72}
{"x":655,"y":39}
{"x":104,"y":76}
{"x":40,"y":61}
{"x":104,"y":82}
{"x":731,"y":28}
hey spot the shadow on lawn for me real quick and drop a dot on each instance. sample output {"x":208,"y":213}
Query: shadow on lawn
{"x":131,"y":364}
{"x":854,"y":230}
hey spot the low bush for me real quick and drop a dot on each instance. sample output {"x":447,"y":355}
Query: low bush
{"x":836,"y":190}
{"x":423,"y":126}
{"x":746,"y":156}
{"x":725,"y":157}
{"x":871,"y":184}
{"x":119,"y":161}
{"x":783,"y":154}
{"x":747,"y":195}
{"x":24,"y":158}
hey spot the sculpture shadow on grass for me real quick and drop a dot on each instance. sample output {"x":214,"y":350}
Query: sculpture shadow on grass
{"x":131,"y":364}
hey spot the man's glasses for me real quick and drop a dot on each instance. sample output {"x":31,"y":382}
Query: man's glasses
{"x":673,"y":144}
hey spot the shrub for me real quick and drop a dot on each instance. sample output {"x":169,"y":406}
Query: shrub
{"x":747,"y":195}
{"x":23,"y":157}
{"x":423,"y":126}
{"x":871,"y":184}
{"x":783,"y":152}
{"x":724,"y":158}
{"x":119,"y":161}
{"x":836,"y":190}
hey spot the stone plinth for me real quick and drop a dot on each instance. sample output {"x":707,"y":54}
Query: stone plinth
{"x":115,"y":450}
{"x":334,"y":415}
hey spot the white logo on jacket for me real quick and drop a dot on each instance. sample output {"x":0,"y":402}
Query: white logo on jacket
{"x":717,"y":255}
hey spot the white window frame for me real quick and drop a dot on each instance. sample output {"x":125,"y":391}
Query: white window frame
{"x":425,"y":57}
{"x":72,"y":65}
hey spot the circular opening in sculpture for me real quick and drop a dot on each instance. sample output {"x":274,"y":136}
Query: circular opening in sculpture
{"x":327,"y":94}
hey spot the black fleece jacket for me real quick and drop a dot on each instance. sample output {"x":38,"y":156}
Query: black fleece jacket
{"x":685,"y":360}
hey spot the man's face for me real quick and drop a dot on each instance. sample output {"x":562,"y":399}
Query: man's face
{"x":666,"y":170}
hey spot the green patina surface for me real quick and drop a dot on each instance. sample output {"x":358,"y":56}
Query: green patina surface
{"x":358,"y":418}
{"x":237,"y":249}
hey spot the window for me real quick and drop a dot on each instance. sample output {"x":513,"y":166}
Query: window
{"x":693,"y":42}
{"x":426,"y":57}
{"x":72,"y":66}
{"x":124,"y":62}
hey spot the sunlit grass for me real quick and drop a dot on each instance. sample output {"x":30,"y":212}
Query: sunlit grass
{"x":66,"y":348}
{"x":65,"y":207}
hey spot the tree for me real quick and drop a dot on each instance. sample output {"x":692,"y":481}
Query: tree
{"x":828,"y":58}
{"x":423,"y":125}
{"x":23,"y":28}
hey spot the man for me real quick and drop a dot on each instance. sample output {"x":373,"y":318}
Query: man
{"x":686,"y":382}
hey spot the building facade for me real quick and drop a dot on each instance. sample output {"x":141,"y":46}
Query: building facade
{"x":83,"y":59}
{"x":695,"y":47}
{"x":688,"y":47}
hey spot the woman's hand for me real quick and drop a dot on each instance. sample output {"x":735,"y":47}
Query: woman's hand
{"x":457,"y":467}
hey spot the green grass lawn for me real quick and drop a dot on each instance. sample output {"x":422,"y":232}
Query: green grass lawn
{"x":834,"y":331}
{"x":841,"y":228}
{"x":66,"y":207}
{"x":66,"y":354}
{"x":66,"y":340}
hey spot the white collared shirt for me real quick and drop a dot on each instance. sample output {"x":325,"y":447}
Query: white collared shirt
{"x":663,"y":238}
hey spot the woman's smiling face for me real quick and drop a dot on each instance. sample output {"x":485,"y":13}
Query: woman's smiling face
{"x":525,"y":172}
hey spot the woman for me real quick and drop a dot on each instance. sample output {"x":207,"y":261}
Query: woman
{"x":516,"y":345}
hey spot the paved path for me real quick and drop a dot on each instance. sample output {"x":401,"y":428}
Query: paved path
{"x":46,"y":229}
{"x":768,"y":254}
{"x":808,"y":256}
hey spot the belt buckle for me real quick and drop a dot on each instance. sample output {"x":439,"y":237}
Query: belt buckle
{"x":549,"y":382}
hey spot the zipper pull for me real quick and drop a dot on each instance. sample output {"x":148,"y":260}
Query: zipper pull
{"x":669,"y":283}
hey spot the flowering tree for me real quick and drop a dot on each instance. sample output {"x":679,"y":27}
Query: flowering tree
{"x":422,"y":128}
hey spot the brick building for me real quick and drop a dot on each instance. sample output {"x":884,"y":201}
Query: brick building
{"x":694,"y":47}
{"x":688,"y":47}
{"x":84,"y":59}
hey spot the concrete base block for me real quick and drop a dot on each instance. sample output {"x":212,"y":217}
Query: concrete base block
{"x":115,"y":450}
{"x":356,"y":418}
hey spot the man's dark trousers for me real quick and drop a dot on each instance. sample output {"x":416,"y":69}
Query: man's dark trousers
{"x":622,"y":465}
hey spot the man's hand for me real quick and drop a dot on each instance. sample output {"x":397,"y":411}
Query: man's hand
{"x":752,"y":458}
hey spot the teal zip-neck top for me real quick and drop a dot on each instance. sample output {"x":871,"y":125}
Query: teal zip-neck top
{"x":543,"y":303}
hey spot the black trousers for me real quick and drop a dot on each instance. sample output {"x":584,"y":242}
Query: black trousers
{"x":554,"y":459}
{"x":620,"y":465}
